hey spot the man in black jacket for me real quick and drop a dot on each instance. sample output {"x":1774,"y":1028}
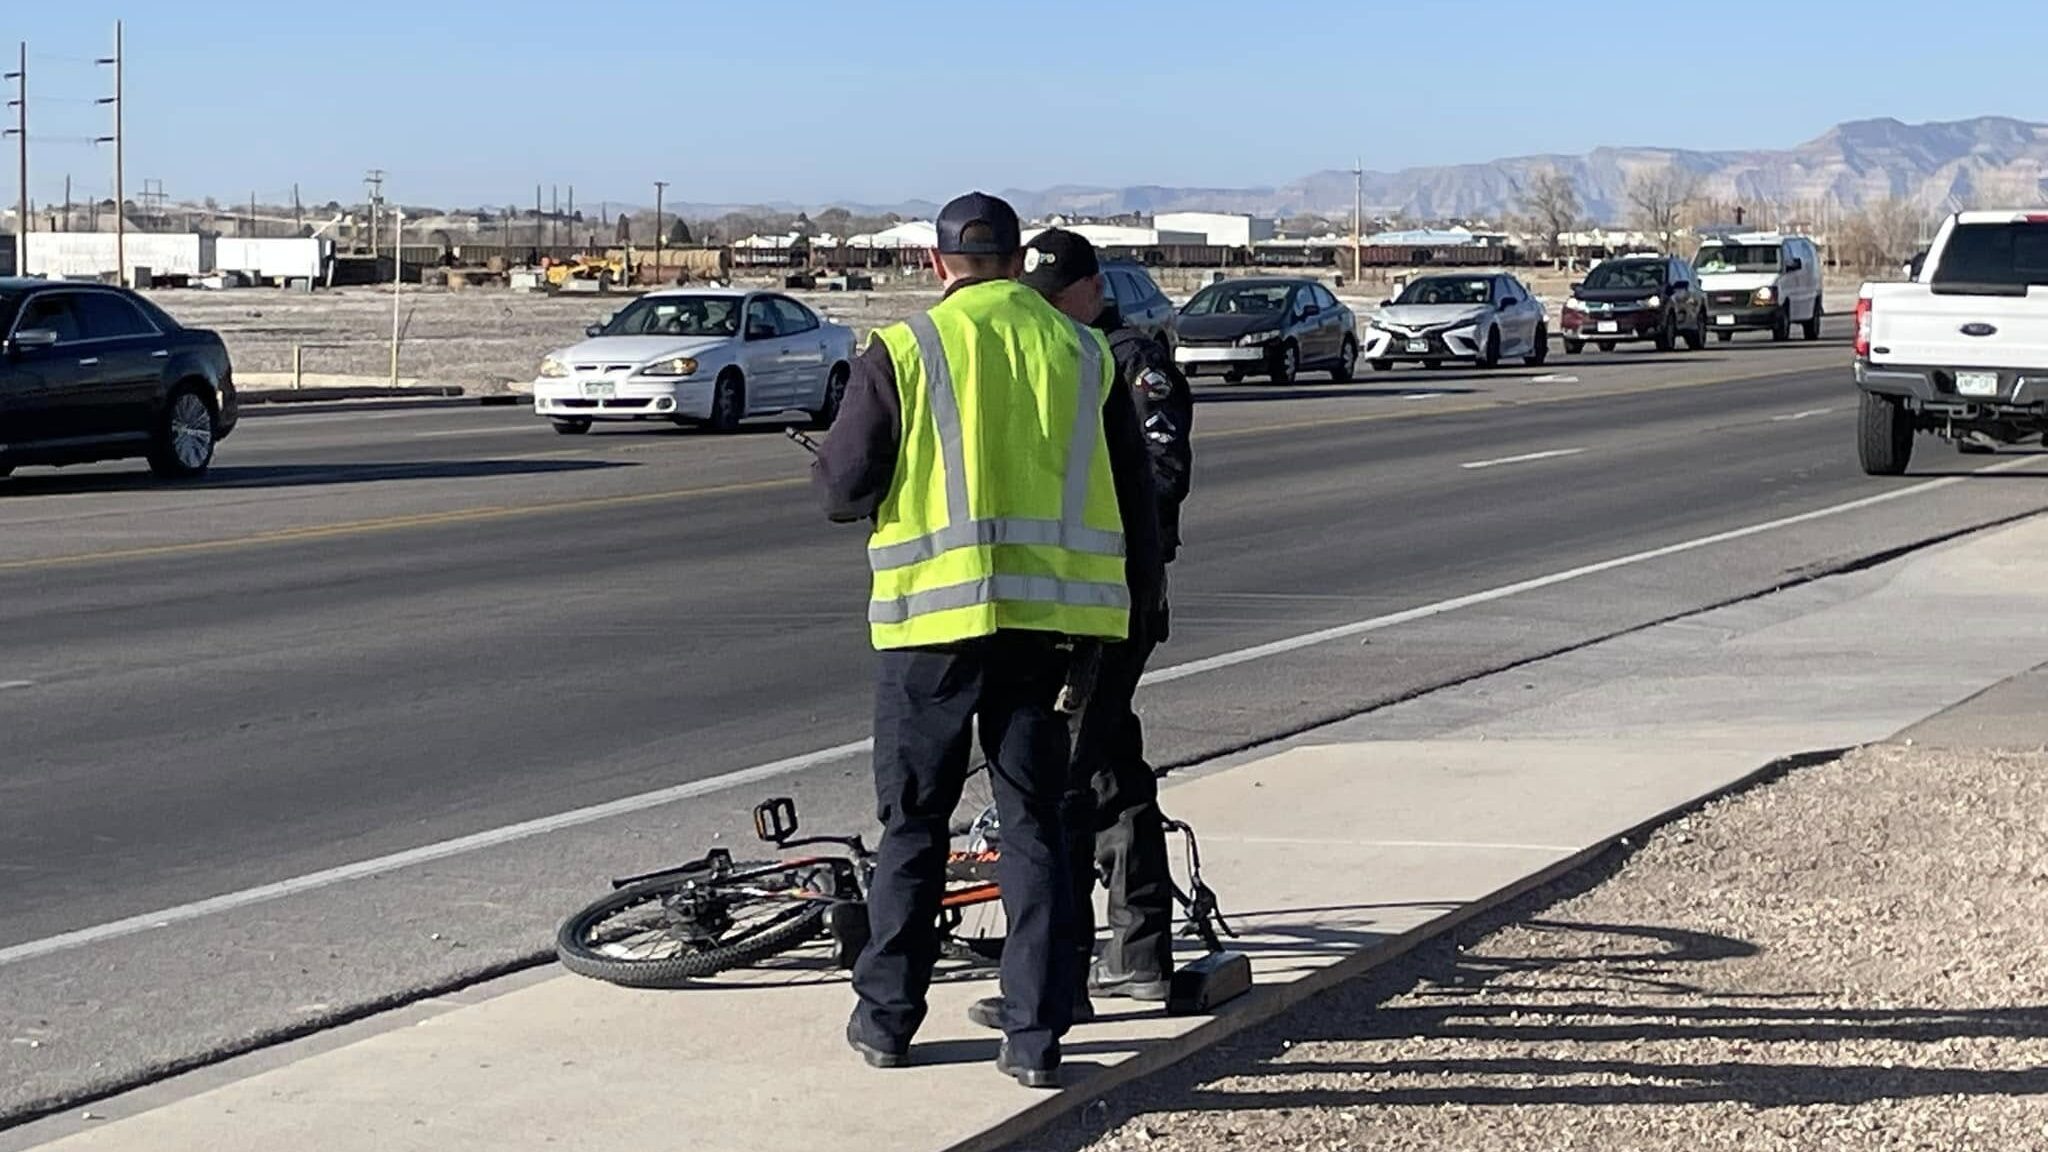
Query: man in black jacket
{"x":1112,"y":813}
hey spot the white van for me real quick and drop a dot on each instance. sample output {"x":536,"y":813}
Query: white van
{"x":1760,"y":281}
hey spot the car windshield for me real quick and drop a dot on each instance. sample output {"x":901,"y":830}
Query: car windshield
{"x":9,"y":301}
{"x":1239,"y":300}
{"x":677,"y":316}
{"x":1627,"y":274}
{"x":1738,"y":258}
{"x":1994,"y":255}
{"x":1446,"y":291}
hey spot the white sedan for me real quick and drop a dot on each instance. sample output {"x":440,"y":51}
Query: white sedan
{"x":1480,"y":317}
{"x":698,"y":356}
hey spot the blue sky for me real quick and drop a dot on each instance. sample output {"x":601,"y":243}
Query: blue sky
{"x":469,"y":102}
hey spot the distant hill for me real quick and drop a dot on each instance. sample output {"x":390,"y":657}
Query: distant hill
{"x":1991,"y":158}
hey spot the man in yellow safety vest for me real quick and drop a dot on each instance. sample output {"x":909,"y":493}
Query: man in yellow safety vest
{"x":1008,"y":483}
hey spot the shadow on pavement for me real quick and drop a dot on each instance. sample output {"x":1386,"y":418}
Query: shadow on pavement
{"x":40,"y":483}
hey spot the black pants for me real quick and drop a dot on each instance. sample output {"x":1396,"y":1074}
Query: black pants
{"x":925,"y":703}
{"x":1113,"y":825}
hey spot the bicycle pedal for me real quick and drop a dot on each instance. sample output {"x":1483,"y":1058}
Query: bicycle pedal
{"x":1202,"y":985}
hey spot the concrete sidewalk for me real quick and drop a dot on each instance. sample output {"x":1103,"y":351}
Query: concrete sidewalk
{"x":1325,"y":853}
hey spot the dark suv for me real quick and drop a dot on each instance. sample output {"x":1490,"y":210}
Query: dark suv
{"x":1654,"y":298}
{"x":91,"y":373}
{"x":1143,"y":305}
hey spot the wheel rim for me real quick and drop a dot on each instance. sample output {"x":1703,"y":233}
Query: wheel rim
{"x":835,"y":391}
{"x":1288,"y":360}
{"x":723,"y":407}
{"x":191,"y":431}
{"x":1350,"y":357}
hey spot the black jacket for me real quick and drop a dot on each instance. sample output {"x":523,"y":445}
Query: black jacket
{"x":857,"y":462}
{"x":1166,"y":412}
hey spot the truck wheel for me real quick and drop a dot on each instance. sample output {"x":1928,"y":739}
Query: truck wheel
{"x":1574,"y":347}
{"x":572,"y":427}
{"x":1781,"y":326}
{"x":1810,"y":327}
{"x":1607,"y":345}
{"x":1884,"y":436}
{"x":1724,"y":337}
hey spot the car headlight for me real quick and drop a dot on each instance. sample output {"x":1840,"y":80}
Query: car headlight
{"x":673,"y":366}
{"x":1654,"y":302}
{"x":553,"y":369}
{"x":1254,"y":339}
{"x":1764,"y":296}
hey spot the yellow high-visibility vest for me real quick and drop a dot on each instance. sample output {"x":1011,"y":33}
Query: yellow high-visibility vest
{"x":1002,"y":512}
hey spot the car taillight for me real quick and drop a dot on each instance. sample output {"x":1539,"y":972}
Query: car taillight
{"x":1863,"y":327}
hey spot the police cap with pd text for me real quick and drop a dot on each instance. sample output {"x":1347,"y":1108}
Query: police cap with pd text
{"x":978,"y":224}
{"x":1057,"y":258}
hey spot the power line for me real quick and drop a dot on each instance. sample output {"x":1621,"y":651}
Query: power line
{"x":20,"y":106}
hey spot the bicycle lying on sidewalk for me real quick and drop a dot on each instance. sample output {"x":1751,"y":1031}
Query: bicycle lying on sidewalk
{"x":665,"y":929}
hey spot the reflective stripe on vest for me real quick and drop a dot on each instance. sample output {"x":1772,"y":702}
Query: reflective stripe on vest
{"x":1070,"y":531}
{"x":1022,"y":589}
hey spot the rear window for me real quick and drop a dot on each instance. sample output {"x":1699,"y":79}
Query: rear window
{"x":2004,"y":259}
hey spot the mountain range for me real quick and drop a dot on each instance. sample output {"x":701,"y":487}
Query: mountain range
{"x":1990,"y":159}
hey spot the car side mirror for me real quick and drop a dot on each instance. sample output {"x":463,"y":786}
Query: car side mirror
{"x":30,"y":339}
{"x":1310,"y":311}
{"x":1794,"y":264}
{"x":1681,"y":285}
{"x":594,"y":330}
{"x":1387,"y":303}
{"x":1510,"y":302}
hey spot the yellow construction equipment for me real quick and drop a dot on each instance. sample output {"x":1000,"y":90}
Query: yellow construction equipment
{"x":586,"y":274}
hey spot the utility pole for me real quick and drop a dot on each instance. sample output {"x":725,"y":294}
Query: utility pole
{"x":120,"y":186}
{"x":375,"y":182}
{"x":554,"y":215}
{"x":660,"y":235}
{"x":67,"y":201}
{"x":20,"y":130}
{"x":298,"y":211}
{"x":537,"y":220}
{"x":571,"y":214}
{"x":252,"y":216}
{"x":1358,"y":220}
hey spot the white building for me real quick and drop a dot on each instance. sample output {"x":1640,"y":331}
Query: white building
{"x":1222,"y":229}
{"x":1124,"y":236}
{"x":907,"y":235}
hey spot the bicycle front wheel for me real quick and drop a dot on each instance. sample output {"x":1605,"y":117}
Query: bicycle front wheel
{"x":665,"y":933}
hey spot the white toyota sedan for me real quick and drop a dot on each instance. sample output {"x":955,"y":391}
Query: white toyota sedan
{"x":698,"y":356}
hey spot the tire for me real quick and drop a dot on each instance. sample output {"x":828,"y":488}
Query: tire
{"x":1381,"y":365}
{"x":1490,"y":358}
{"x":1346,"y":369}
{"x":1233,"y":376}
{"x":1810,"y":327}
{"x":1541,"y":351}
{"x":1573,"y":347}
{"x":1667,"y":334}
{"x":1884,"y":436}
{"x":728,"y":403}
{"x":1607,"y":345}
{"x":572,"y":427}
{"x":1781,"y":326}
{"x":181,"y":446}
{"x":1432,"y":365}
{"x":6,"y":470}
{"x":1697,"y":338}
{"x":1723,"y":337}
{"x":578,"y":955}
{"x":835,"y":392}
{"x":1284,"y":368}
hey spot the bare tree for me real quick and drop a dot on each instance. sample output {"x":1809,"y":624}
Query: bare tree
{"x":1879,"y":238}
{"x":1551,"y":201}
{"x":1657,"y":201}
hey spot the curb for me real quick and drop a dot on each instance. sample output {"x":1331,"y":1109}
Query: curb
{"x":1261,"y":1008}
{"x":354,"y":400}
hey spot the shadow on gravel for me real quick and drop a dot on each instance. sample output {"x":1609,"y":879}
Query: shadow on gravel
{"x":36,"y":483}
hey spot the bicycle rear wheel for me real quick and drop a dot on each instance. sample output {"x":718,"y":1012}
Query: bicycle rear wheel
{"x":664,"y":933}
{"x":971,"y":912}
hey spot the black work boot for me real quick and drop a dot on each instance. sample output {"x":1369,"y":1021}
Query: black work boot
{"x":1029,"y":1076}
{"x":876,"y":1056}
{"x":1129,"y":985}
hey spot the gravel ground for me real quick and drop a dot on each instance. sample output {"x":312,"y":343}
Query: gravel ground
{"x":1852,"y":957}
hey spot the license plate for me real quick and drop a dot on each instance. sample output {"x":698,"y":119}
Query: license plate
{"x":1607,"y":326}
{"x":599,"y":390}
{"x":1725,"y":321}
{"x":1418,"y":345}
{"x":1977,"y":383}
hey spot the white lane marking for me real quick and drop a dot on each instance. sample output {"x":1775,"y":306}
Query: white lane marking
{"x":6,"y":684}
{"x":1423,"y":395}
{"x":1318,"y":842}
{"x":1554,"y":380}
{"x":1525,"y":458}
{"x":114,"y":929}
{"x":1802,"y":415}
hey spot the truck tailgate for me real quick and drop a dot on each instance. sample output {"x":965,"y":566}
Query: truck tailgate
{"x":1921,"y":327}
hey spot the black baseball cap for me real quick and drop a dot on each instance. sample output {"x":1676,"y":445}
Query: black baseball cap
{"x":995,"y":216}
{"x":1057,"y":258}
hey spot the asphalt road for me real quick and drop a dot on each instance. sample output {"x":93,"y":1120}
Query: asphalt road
{"x":373,"y":631}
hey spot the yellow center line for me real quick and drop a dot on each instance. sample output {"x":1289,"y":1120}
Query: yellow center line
{"x":389,"y":524}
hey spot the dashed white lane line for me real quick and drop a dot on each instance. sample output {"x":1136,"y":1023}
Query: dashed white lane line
{"x":1802,"y":415}
{"x":1525,"y":458}
{"x":7,"y":684}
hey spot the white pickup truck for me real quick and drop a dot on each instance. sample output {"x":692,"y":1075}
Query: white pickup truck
{"x":1961,"y":350}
